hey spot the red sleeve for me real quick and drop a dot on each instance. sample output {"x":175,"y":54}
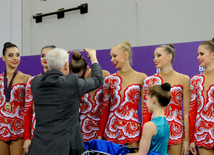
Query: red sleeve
{"x":192,"y":112}
{"x":28,"y":110}
{"x":105,"y":108}
{"x":146,"y":115}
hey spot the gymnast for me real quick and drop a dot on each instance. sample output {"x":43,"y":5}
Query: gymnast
{"x":155,"y":137}
{"x":12,"y":100}
{"x":180,"y":91}
{"x":121,"y":95}
{"x":201,"y":116}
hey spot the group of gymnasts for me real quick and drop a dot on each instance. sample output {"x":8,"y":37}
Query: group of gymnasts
{"x":177,"y":112}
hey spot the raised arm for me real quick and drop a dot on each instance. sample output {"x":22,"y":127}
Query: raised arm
{"x":96,"y":78}
{"x":92,"y":55}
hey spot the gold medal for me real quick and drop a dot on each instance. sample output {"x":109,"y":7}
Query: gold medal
{"x":7,"y":106}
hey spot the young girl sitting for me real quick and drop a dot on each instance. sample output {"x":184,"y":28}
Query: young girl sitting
{"x":155,"y":137}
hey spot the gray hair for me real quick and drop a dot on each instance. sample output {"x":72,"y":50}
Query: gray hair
{"x":56,"y":58}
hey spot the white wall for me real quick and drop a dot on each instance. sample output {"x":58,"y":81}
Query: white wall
{"x":142,"y":22}
{"x":11,"y":22}
{"x":5,"y":22}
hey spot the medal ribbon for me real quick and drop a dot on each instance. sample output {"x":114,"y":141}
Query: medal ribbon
{"x":7,"y":90}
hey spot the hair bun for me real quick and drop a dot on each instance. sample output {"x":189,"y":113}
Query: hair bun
{"x":166,"y":86}
{"x":76,"y":55}
{"x":171,"y":45}
{"x":7,"y":43}
{"x":127,"y":43}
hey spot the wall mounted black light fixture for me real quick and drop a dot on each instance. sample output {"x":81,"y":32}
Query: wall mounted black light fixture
{"x":61,"y":12}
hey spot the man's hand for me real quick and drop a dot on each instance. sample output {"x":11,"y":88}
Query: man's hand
{"x":91,"y":54}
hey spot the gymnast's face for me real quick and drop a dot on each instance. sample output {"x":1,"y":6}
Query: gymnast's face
{"x":161,"y":58}
{"x":150,"y":103}
{"x":44,"y":52}
{"x":205,"y":57}
{"x":118,"y":57}
{"x":12,"y":57}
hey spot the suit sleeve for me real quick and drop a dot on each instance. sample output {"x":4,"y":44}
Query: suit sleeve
{"x":91,"y":83}
{"x":28,"y":110}
{"x":192,"y":111}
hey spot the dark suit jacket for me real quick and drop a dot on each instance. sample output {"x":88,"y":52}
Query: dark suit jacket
{"x":56,"y":102}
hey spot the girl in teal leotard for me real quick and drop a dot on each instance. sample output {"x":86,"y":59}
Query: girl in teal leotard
{"x":155,"y":137}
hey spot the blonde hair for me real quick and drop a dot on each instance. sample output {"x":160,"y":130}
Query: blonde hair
{"x":125,"y":47}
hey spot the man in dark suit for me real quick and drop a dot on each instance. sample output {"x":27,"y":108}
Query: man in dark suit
{"x":56,"y":100}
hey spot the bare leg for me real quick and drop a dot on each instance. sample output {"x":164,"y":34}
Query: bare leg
{"x":203,"y":151}
{"x":175,"y":149}
{"x":16,"y":147}
{"x":4,"y":148}
{"x":135,"y":145}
